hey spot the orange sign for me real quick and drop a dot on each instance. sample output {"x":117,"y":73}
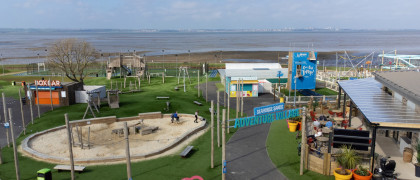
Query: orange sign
{"x":47,"y":83}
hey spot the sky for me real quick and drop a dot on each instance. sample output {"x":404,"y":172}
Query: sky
{"x":209,"y":14}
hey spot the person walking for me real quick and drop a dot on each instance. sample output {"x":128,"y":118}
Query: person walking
{"x":196,"y":116}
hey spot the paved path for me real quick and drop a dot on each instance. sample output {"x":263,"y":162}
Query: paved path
{"x":246,"y":152}
{"x":17,"y":117}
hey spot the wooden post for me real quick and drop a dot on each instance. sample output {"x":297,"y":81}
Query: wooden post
{"x":218,"y":119}
{"x":198,"y":83}
{"x":37,"y":99}
{"x":70,"y":145}
{"x":21,"y":112}
{"x":224,"y":98}
{"x":139,"y":83}
{"x":30,"y":106}
{"x":5,"y":118}
{"x":15,"y":154}
{"x":127,"y":151}
{"x":51,"y":100}
{"x":81,"y":137}
{"x":303,"y":143}
{"x":223,"y":144}
{"x":237,"y":99}
{"x":125,"y":79}
{"x":89,"y":137}
{"x":228,"y":109}
{"x":163,"y":77}
{"x":242,"y":99}
{"x":212,"y":135}
{"x":206,"y":85}
{"x":1,"y":159}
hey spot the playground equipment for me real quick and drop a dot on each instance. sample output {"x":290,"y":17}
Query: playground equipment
{"x":185,"y":71}
{"x":113,"y":101}
{"x":91,"y":102}
{"x":395,"y":61}
{"x":132,"y":65}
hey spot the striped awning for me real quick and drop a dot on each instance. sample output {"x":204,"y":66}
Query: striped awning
{"x":378,"y":106}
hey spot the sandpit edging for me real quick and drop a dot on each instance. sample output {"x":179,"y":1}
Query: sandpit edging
{"x":27,"y":150}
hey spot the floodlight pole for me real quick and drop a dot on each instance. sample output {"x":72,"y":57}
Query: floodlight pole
{"x":223,"y":144}
{"x":127,"y":151}
{"x":21,"y":112}
{"x":5,"y":118}
{"x":218,"y":120}
{"x":212,"y":135}
{"x":15,"y":154}
{"x":294,"y":99}
{"x":70,"y":145}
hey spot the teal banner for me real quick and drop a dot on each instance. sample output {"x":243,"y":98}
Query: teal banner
{"x":266,"y":118}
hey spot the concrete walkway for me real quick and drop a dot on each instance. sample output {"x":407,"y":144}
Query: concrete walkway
{"x":246,"y":152}
{"x":17,"y":118}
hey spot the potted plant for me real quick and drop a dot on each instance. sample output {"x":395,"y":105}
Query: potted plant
{"x":347,"y":160}
{"x":361,"y":173}
{"x":293,"y":123}
{"x":418,"y":160}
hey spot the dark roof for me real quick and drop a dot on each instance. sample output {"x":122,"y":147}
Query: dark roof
{"x":379,"y":107}
{"x":406,"y":83}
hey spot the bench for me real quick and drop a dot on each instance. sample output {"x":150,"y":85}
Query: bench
{"x":68,"y":168}
{"x":198,"y":103}
{"x":176,"y":88}
{"x":149,"y":130}
{"x":186,"y":151}
{"x":162,"y":97}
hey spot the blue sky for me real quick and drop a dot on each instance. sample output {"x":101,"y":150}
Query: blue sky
{"x":210,"y":14}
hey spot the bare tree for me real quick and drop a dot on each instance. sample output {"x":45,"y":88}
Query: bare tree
{"x":71,"y":56}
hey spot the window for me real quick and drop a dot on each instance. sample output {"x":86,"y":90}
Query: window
{"x":298,"y":70}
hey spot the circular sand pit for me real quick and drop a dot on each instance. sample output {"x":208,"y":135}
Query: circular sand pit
{"x":107,"y":142}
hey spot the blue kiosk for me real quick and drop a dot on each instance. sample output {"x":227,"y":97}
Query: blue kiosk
{"x":302,"y":70}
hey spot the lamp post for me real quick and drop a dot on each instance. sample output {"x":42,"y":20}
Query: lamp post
{"x":294,"y":99}
{"x":176,"y":64}
{"x":163,"y":59}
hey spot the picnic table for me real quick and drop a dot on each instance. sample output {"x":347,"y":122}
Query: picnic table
{"x":68,"y":168}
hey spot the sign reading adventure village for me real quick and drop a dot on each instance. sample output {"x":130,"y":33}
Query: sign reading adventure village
{"x":266,"y":118}
{"x":268,"y":109}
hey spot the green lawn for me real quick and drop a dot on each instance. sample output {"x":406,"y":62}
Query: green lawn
{"x":326,"y":91}
{"x":169,"y":167}
{"x":282,"y":149}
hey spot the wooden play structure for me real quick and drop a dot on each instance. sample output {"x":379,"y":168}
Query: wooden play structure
{"x":113,"y":99}
{"x":126,"y":65}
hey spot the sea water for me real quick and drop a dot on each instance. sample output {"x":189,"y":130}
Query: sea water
{"x":16,"y":44}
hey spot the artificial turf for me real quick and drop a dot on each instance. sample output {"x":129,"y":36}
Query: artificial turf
{"x":169,"y":167}
{"x":282,"y":149}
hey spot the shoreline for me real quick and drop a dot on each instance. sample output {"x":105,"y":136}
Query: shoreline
{"x":210,"y":56}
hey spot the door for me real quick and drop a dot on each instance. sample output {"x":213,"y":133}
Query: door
{"x":44,"y":97}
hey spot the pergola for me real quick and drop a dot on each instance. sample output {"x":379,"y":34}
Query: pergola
{"x":380,"y":109}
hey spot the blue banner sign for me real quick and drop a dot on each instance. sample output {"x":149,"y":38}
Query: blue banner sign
{"x":268,"y":109}
{"x":266,"y":118}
